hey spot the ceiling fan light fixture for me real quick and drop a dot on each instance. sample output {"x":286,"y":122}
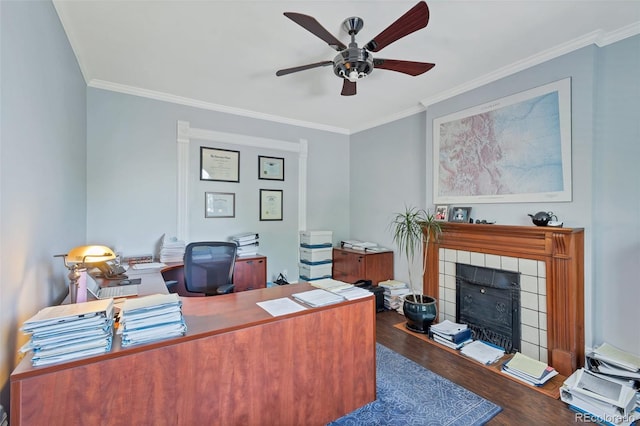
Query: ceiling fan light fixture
{"x":353,"y":64}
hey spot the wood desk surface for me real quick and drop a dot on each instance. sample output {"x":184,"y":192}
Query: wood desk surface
{"x":308,"y":367}
{"x":204,"y":316}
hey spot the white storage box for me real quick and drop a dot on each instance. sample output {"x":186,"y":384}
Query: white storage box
{"x":316,"y":239}
{"x":312,"y":272}
{"x":315,"y":256}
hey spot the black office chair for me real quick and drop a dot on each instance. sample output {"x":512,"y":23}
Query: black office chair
{"x":208,"y":267}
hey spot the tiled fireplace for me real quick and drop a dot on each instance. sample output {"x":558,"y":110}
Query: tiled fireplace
{"x":533,"y":294}
{"x":550,"y":263}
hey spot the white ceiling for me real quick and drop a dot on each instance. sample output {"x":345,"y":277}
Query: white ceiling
{"x":223,"y":55}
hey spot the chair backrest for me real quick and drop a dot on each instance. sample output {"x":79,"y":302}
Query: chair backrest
{"x":208,"y":267}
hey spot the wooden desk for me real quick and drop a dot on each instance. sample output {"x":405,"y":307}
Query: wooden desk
{"x":249,"y":273}
{"x":237,"y":365}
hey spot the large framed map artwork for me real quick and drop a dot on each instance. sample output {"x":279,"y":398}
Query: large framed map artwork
{"x":511,"y":150}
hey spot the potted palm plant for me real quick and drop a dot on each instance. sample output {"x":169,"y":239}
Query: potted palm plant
{"x":412,"y":231}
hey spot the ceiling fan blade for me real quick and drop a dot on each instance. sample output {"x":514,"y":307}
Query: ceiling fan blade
{"x":407,"y":67}
{"x":417,"y":17}
{"x":310,"y":24}
{"x":348,"y":88}
{"x":303,"y":67}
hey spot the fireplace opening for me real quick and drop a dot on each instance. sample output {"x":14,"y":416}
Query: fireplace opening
{"x":488,"y":301}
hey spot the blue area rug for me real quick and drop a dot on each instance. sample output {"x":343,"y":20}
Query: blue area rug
{"x":409,"y":394}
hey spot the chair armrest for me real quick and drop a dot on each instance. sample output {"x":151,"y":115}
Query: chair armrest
{"x":225,"y":289}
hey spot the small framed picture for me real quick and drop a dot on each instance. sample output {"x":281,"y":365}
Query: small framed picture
{"x":219,"y":204}
{"x":270,"y":168}
{"x":219,"y":164}
{"x":442,"y":213}
{"x":460,"y":214}
{"x":270,"y":204}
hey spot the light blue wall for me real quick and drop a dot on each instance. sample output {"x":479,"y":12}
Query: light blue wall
{"x":616,"y":195}
{"x":606,"y":194}
{"x":387,"y":173}
{"x":132,"y":173}
{"x":42,"y":172}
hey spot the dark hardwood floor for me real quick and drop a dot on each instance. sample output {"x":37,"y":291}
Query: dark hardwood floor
{"x":520,"y":405}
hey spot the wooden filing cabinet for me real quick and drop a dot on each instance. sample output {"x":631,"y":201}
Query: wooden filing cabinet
{"x":250,"y":273}
{"x":353,"y":265}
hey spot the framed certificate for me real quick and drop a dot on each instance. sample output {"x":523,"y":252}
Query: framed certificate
{"x":219,"y":164}
{"x":270,"y":168}
{"x":219,"y":204}
{"x":270,"y":204}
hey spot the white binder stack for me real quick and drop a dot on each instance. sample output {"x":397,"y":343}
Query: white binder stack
{"x":65,"y":332}
{"x":248,"y":243}
{"x":601,"y":398}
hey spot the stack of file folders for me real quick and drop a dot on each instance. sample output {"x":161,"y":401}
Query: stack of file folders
{"x":65,"y":332}
{"x":247,"y":243}
{"x":601,"y":399}
{"x":150,"y":318}
{"x":451,"y":334}
{"x":528,"y":370}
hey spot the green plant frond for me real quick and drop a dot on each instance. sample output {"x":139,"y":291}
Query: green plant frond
{"x":411,"y":229}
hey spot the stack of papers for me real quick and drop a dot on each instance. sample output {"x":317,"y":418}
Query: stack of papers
{"x":600,"y":396}
{"x":451,"y":334}
{"x":66,"y":332}
{"x":528,"y":370}
{"x":394,"y":292}
{"x":150,"y":318}
{"x":318,"y":297}
{"x":346,"y":290}
{"x":247,"y":243}
{"x":483,"y":352}
{"x":172,"y":249}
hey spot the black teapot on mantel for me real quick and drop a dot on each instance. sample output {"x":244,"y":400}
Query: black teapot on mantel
{"x":544,"y":219}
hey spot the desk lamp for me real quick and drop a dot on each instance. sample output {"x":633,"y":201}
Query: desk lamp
{"x":77,"y":260}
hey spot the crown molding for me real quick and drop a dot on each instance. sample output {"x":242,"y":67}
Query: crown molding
{"x":599,"y":38}
{"x":167,"y":97}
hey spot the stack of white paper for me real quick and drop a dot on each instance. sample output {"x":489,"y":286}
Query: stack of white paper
{"x":66,"y":332}
{"x":318,"y":297}
{"x":394,"y":292}
{"x":482,"y":352}
{"x":150,"y":318}
{"x":172,"y":249}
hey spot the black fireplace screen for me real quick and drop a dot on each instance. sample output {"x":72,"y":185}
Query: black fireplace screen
{"x":488,"y":301}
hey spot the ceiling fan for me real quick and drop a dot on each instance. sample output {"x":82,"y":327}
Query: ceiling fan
{"x":354,"y":63}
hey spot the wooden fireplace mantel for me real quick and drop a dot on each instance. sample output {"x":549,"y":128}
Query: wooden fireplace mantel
{"x":562,"y":250}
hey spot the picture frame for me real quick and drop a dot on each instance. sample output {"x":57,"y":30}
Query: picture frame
{"x":271,"y":204}
{"x":219,"y":204}
{"x":460,"y":214}
{"x":514,"y":149}
{"x":221,"y":165}
{"x":270,"y":168}
{"x":441,"y":213}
